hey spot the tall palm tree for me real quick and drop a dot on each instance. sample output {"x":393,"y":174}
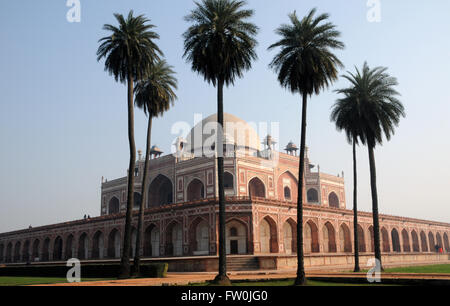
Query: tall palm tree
{"x":129,"y":53}
{"x":379,"y":113}
{"x":306,"y":65}
{"x":346,"y":115}
{"x":154,"y":95}
{"x":220,"y":44}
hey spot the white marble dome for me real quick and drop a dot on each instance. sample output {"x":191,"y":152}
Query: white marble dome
{"x":237,"y":132}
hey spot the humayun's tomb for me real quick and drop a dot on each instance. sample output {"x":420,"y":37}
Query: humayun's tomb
{"x":181,"y":216}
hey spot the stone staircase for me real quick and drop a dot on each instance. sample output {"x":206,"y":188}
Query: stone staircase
{"x":242,"y":263}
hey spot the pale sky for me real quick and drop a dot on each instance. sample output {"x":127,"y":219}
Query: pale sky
{"x":63,"y":119}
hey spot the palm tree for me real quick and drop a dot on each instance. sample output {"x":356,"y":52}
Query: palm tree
{"x":129,"y":53}
{"x":220,"y":44}
{"x":154,"y":95}
{"x":346,"y":115}
{"x":306,"y":65}
{"x":379,"y":113}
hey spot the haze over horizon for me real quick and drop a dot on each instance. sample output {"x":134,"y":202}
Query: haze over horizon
{"x":63,"y":120}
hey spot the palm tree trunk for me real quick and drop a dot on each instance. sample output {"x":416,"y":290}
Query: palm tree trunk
{"x":125,"y":261}
{"x":221,"y":278}
{"x":140,"y":228}
{"x":355,"y":209}
{"x":373,"y":185}
{"x":301,"y":278}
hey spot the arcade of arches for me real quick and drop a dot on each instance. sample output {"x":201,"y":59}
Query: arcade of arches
{"x":269,"y":236}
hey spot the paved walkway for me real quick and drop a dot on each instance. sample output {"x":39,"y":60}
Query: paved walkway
{"x":180,"y":279}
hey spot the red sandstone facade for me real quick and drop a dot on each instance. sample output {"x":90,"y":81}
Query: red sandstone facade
{"x":182,"y":212}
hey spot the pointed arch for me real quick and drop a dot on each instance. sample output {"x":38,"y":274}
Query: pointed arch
{"x":311,"y":242}
{"x":26,"y":251}
{"x":17,"y":257}
{"x":385,"y":240}
{"x":256,"y":188}
{"x":174,"y":239}
{"x":83,"y":246}
{"x":329,"y":238}
{"x":405,"y":238}
{"x":151,"y":241}
{"x":361,"y":240}
{"x":287,"y":187}
{"x":415,"y":241}
{"x":268,"y":236}
{"x":395,"y":240}
{"x":2,"y":250}
{"x":195,"y":190}
{"x":446,"y":243}
{"x":333,"y":200}
{"x":46,"y":250}
{"x":35,"y":253}
{"x":345,"y":238}
{"x":423,"y":241}
{"x":228,"y":180}
{"x":9,"y":252}
{"x":57,"y":249}
{"x":114,"y":243}
{"x":290,"y":236}
{"x":98,"y":245}
{"x":70,"y":247}
{"x":160,"y":191}
{"x":236,"y":237}
{"x":431,"y":242}
{"x":439,"y":240}
{"x":312,"y":196}
{"x":113,"y":206}
{"x":199,"y":236}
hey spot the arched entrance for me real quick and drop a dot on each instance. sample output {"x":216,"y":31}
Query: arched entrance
{"x":329,"y":238}
{"x":372,"y":239}
{"x":98,"y":245}
{"x":114,"y":206}
{"x":312,"y":195}
{"x":385,"y":240}
{"x":151,"y":241}
{"x":439,"y":240}
{"x":236,"y":236}
{"x":268,"y":235}
{"x":57,"y":249}
{"x":446,"y":243}
{"x":415,"y":241}
{"x":9,"y":255}
{"x":160,"y":192}
{"x":287,"y":187}
{"x":35,"y":253}
{"x":195,"y":190}
{"x":174,"y":239}
{"x":395,"y":241}
{"x":199,"y":237}
{"x":137,"y":200}
{"x":290,"y":237}
{"x":256,"y":188}
{"x":114,"y":244}
{"x":311,"y":243}
{"x":333,"y":200}
{"x":2,"y":250}
{"x":361,"y":240}
{"x":17,"y":252}
{"x":423,"y":241}
{"x":70,"y":250}
{"x":405,"y":237}
{"x":45,"y":250}
{"x":26,"y":251}
{"x":431,"y":242}
{"x":345,"y":239}
{"x":83,"y":246}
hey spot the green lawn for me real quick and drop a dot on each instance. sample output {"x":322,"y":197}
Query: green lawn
{"x":23,"y":281}
{"x":421,"y":269}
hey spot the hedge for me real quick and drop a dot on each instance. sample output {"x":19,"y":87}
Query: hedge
{"x":153,"y":270}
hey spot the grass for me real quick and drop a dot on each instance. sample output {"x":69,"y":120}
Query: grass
{"x":24,"y":281}
{"x":421,"y":269}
